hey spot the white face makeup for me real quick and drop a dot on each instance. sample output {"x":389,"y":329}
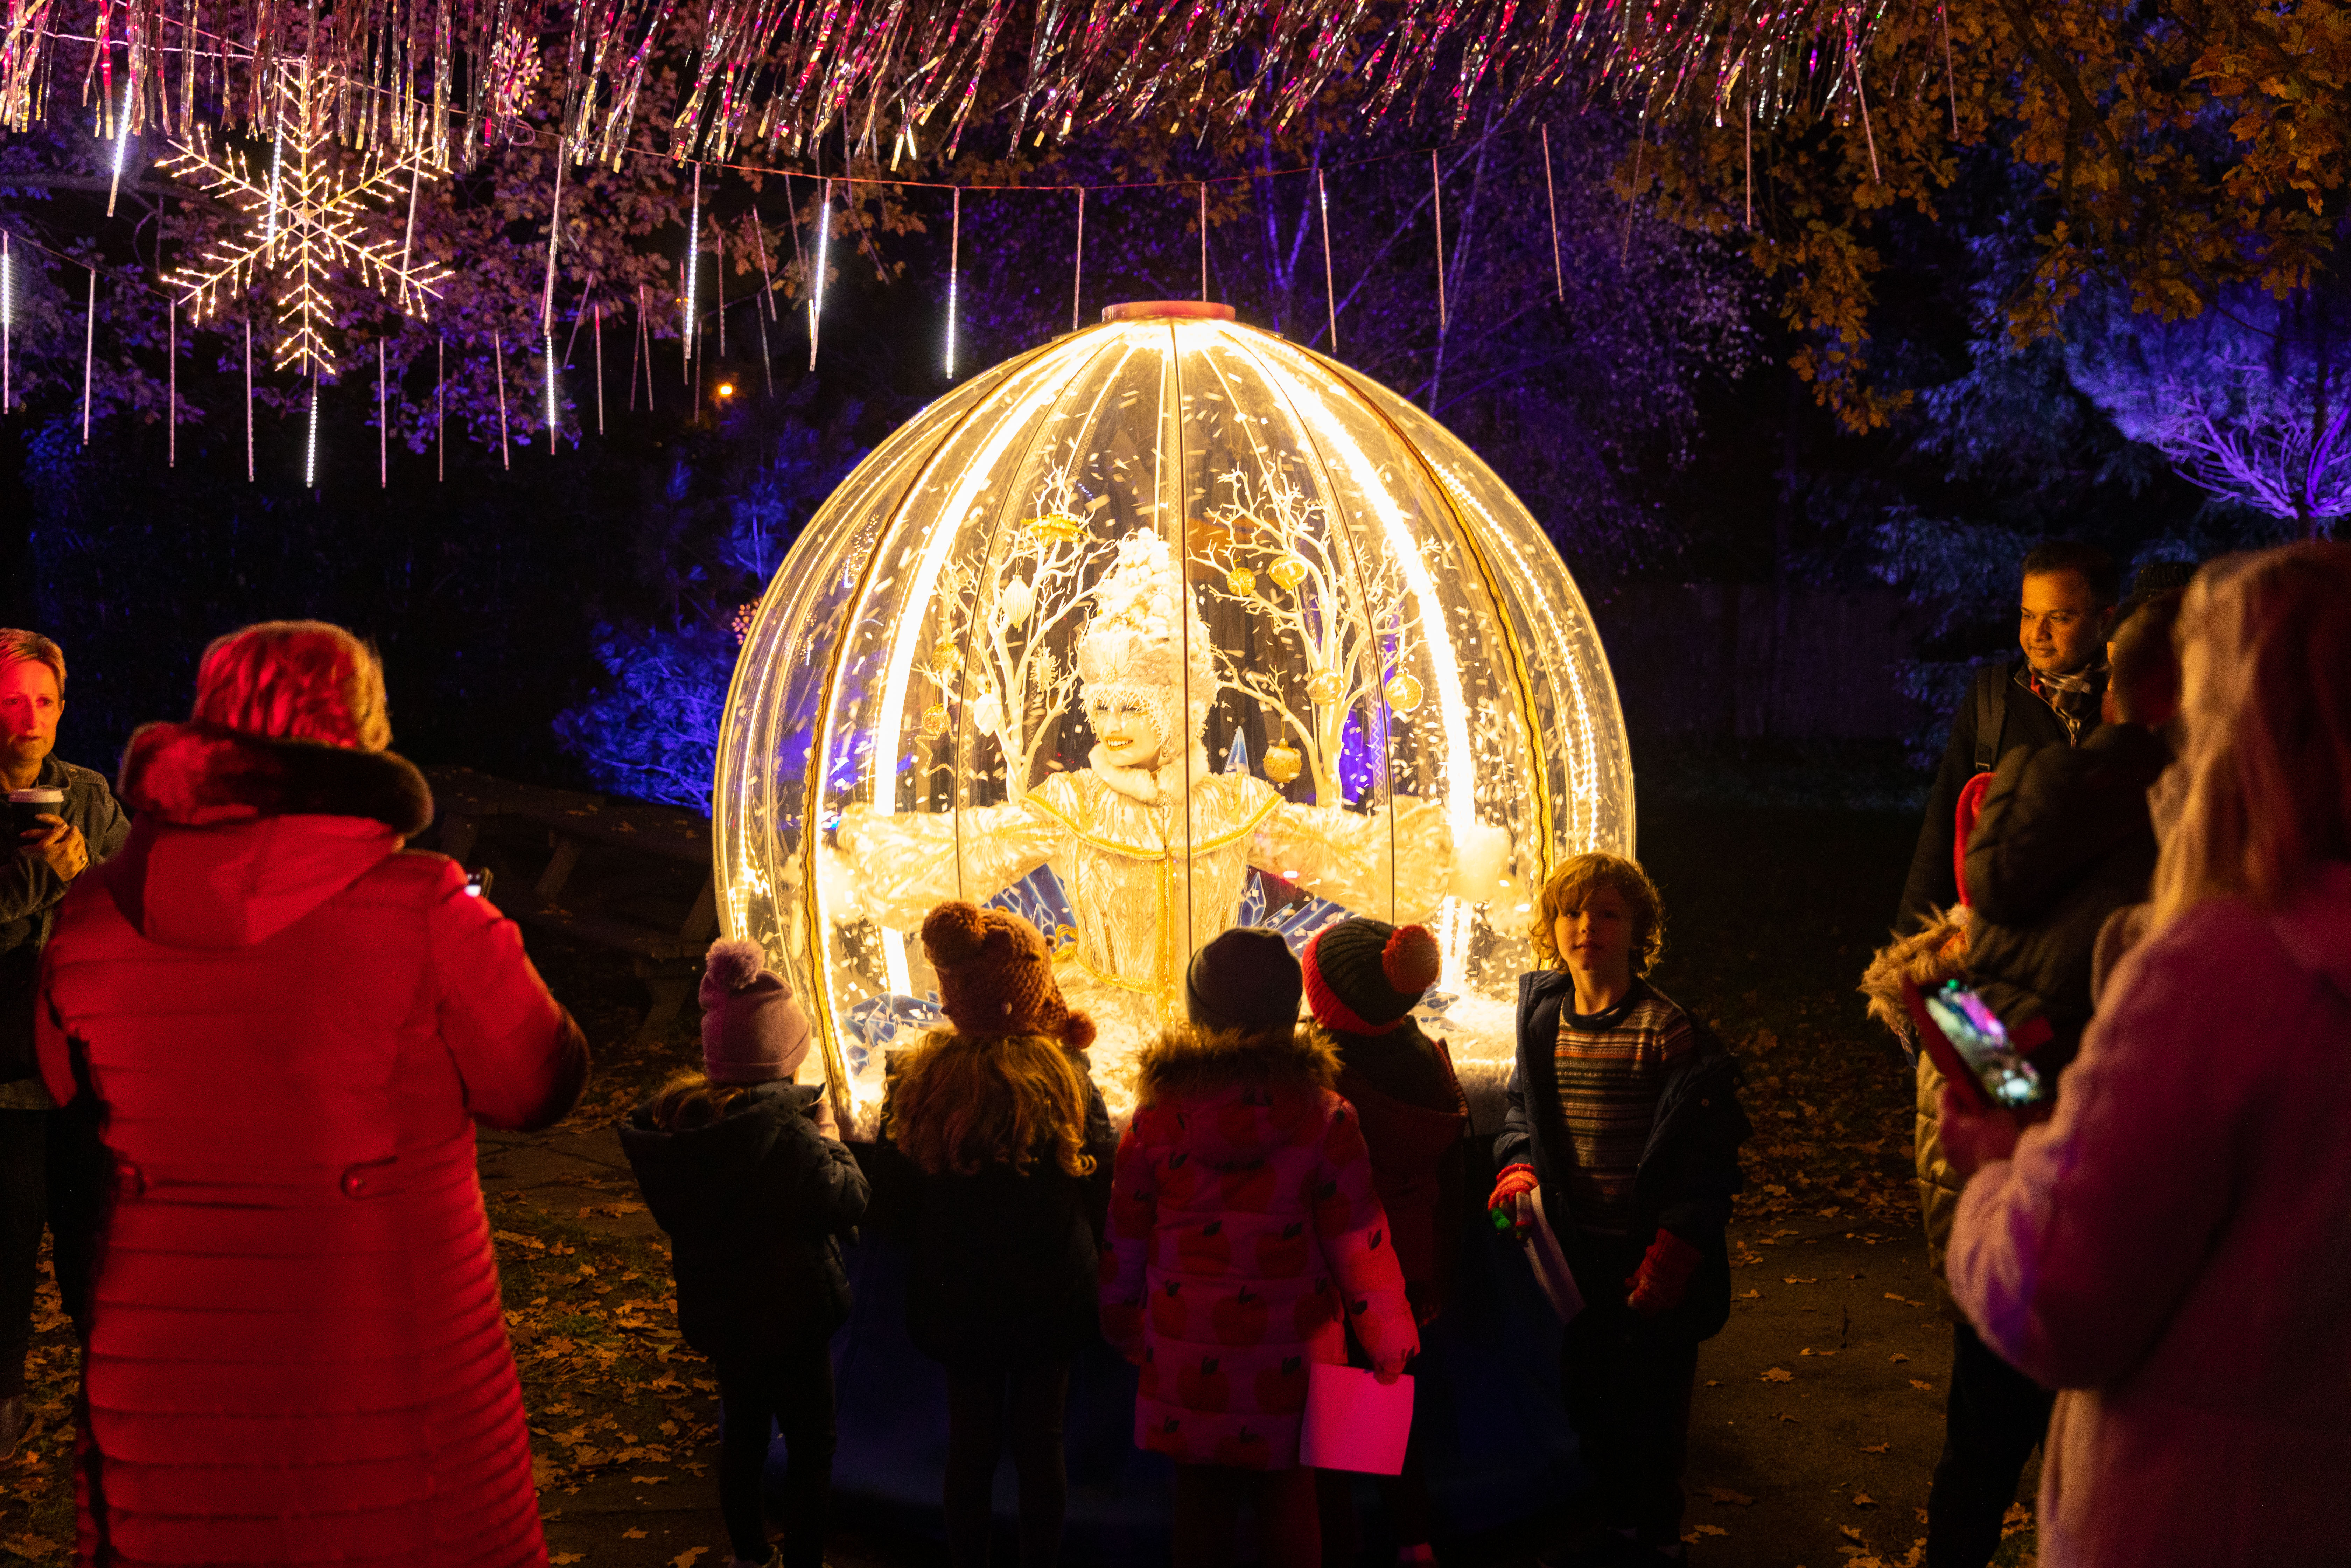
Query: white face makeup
{"x":1129,"y":736}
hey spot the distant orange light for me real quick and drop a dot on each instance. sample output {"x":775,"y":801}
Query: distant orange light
{"x":725,"y":388}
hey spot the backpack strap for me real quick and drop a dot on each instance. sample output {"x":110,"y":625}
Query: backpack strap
{"x":1991,"y":714}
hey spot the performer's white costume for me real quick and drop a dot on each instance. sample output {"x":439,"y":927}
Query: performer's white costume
{"x":1115,"y":837}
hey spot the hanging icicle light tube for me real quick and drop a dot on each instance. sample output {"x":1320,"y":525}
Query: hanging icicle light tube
{"x":553,"y":413}
{"x":824,"y":245}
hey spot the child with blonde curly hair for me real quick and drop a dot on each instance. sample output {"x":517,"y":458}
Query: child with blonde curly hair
{"x":1623,"y":1114}
{"x":996,"y":1158}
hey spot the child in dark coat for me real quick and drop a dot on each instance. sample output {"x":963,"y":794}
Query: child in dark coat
{"x":1362,"y":979}
{"x":1624,"y":1113}
{"x":746,"y":1172}
{"x":994,"y":1157}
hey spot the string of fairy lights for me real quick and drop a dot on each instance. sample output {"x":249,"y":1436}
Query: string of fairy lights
{"x":307,"y":221}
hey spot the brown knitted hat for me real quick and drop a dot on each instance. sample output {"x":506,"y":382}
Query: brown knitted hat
{"x":996,"y":976}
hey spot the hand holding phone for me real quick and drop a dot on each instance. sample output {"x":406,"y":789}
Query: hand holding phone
{"x":1971,"y":1048}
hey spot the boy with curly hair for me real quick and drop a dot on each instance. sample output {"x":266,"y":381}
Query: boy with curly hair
{"x":1623,"y":1114}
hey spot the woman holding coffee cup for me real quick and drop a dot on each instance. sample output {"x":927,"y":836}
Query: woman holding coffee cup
{"x":61,"y":818}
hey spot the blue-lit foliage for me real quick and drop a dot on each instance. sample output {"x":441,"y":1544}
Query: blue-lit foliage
{"x":714,"y":539}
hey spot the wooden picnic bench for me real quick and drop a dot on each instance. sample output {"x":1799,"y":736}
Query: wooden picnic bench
{"x":667,"y":959}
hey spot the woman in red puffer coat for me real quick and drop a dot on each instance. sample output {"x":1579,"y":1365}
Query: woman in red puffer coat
{"x":290,"y":1026}
{"x":1245,"y":1239}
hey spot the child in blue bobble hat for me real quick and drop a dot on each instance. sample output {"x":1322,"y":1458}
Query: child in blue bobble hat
{"x":746,"y":1170}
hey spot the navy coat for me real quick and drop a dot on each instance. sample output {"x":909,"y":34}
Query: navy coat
{"x":755,"y":1205}
{"x":1688,"y":1171}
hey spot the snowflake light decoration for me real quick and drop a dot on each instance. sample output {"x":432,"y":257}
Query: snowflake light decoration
{"x":305,"y":221}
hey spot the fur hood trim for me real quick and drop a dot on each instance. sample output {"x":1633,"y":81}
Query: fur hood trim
{"x":201,"y":775}
{"x":1937,"y":950}
{"x":1196,"y":1061}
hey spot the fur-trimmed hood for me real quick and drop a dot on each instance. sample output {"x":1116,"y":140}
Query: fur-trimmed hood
{"x":1937,"y":950}
{"x":197,"y":774}
{"x":238,"y":837}
{"x":1205,"y":1061}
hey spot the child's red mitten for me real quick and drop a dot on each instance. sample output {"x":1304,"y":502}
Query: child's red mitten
{"x":1657,"y":1286}
{"x":1502,"y":1206}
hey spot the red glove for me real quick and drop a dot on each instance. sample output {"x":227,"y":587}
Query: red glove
{"x":1664,"y":1275}
{"x":1513,"y":1181}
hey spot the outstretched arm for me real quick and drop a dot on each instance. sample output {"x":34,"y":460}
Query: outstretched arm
{"x":902,"y":866}
{"x":523,"y":1059}
{"x":1398,"y":863}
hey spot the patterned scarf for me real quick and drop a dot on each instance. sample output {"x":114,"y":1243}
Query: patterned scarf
{"x":2072,"y":698}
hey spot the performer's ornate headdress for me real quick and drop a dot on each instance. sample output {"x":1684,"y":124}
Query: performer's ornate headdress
{"x":1136,"y":649}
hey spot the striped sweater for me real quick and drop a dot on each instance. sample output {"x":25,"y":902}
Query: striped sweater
{"x":1612,"y":1067}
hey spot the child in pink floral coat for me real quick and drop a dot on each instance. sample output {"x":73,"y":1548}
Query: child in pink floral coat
{"x":1244,"y":1234}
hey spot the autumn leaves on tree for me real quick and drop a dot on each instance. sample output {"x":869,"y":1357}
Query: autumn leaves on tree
{"x":2181,"y":150}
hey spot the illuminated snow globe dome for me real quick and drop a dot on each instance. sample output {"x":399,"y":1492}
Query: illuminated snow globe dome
{"x":1165,"y":627}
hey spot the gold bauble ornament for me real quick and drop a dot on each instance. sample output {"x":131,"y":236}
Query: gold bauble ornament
{"x":935,"y":721}
{"x":947,"y":656}
{"x":1403,"y":693}
{"x":1289,"y":571}
{"x":1241,"y":580}
{"x":1326,"y":687}
{"x":1281,"y":763}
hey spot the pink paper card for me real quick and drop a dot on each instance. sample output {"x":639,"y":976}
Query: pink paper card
{"x":1353,"y":1421}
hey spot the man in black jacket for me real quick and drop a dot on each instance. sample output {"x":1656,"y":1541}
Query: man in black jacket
{"x":49,"y":1175}
{"x":2065,"y":839}
{"x":2048,"y":697}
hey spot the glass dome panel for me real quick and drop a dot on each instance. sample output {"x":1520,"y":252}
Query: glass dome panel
{"x":1166,"y":626}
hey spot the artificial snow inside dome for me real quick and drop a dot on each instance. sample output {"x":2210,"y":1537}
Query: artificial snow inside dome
{"x":1167,"y":626}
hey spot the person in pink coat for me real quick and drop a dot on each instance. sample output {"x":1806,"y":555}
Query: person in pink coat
{"x":2172,"y":1249}
{"x":1246,"y":1236}
{"x":290,"y":1025}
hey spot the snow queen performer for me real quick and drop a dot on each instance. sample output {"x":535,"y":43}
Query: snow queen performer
{"x":1130,"y":863}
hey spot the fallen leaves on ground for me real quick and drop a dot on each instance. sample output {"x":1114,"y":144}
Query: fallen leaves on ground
{"x":689,"y":1557}
{"x":1697,"y":1530}
{"x":1777,"y":1374}
{"x":609,"y":1386}
{"x":36,"y":1516}
{"x":1724,"y":1494}
{"x":1926,"y":1388}
{"x":1833,"y":1125}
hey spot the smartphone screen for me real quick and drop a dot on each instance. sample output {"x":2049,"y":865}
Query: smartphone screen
{"x":1977,"y":1033}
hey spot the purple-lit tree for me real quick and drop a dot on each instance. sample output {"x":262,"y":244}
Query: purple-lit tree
{"x":2249,"y":400}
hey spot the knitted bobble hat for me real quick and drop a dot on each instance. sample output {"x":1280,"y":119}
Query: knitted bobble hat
{"x":753,"y":1028}
{"x":996,"y":976}
{"x":1364,"y":977}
